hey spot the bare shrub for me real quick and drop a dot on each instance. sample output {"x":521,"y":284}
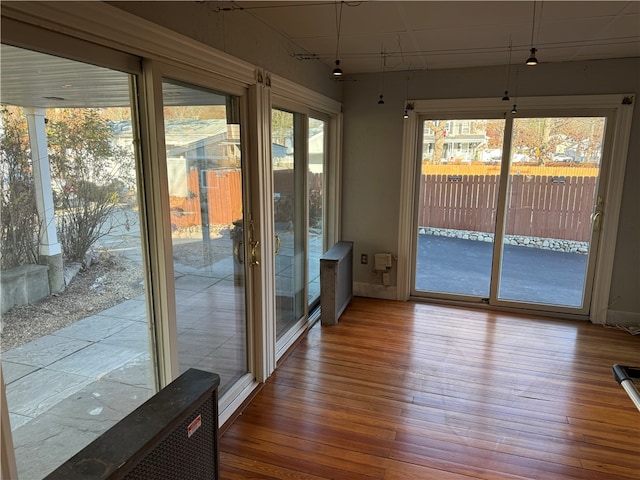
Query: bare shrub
{"x":92,"y":174}
{"x":18,"y":211}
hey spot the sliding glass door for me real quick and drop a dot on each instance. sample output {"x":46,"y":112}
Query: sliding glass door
{"x":298,"y":158}
{"x":316,"y":206}
{"x":552,"y":215}
{"x":205,"y":174}
{"x":458,"y":199}
{"x":510,"y":227}
{"x":288,"y":163}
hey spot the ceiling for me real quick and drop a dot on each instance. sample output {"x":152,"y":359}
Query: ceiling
{"x":396,"y":35}
{"x":417,"y":35}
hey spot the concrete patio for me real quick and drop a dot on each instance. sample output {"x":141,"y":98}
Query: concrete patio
{"x":65,"y":389}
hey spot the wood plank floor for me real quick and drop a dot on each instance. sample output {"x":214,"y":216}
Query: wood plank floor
{"x":415,"y":391}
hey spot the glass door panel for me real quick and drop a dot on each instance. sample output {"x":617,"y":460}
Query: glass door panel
{"x":552,"y":191}
{"x":459,"y":183}
{"x":289,"y":218}
{"x":76,"y":362}
{"x":315,"y":193}
{"x":204,"y":165}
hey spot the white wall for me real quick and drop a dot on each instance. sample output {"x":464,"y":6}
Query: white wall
{"x":373,"y":149}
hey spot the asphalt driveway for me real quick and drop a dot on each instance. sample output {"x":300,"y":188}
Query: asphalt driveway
{"x":454,"y":265}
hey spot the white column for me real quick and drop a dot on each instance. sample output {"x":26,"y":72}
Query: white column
{"x":49,"y":245}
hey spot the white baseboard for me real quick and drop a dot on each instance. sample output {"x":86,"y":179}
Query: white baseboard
{"x":621,"y":318}
{"x":361,"y":289}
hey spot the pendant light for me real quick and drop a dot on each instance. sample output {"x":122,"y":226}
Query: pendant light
{"x":514,"y":110}
{"x":532,"y":60}
{"x":505,"y":98}
{"x":382,"y":65}
{"x":337,"y":71}
{"x":407,"y":106}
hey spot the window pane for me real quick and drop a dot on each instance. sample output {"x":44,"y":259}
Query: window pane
{"x":288,"y":204}
{"x":555,"y":166}
{"x":78,"y":361}
{"x":457,"y":205}
{"x":315,"y":192}
{"x":202,"y":135}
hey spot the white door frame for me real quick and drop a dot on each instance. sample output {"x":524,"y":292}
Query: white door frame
{"x":621,"y":107}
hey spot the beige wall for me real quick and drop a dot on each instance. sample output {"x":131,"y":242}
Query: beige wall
{"x":373,"y":149}
{"x":237,"y":33}
{"x":373,"y":133}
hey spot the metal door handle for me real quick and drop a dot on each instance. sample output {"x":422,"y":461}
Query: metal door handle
{"x":236,"y":252}
{"x":596,"y":220}
{"x":277,"y":244}
{"x":254,"y":254}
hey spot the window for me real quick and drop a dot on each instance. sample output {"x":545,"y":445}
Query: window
{"x":76,"y":363}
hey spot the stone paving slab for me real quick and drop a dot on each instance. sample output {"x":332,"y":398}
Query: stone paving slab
{"x":135,"y":336}
{"x":35,"y":393}
{"x":16,"y":420}
{"x":139,"y":372}
{"x":15,"y":371}
{"x":131,"y":309}
{"x":42,"y":445}
{"x":94,"y":328}
{"x":44,"y":351}
{"x":95,"y":361}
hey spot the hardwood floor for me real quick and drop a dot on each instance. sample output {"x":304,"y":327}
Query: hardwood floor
{"x":417,"y":391}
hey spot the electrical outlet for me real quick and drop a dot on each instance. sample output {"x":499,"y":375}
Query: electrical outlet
{"x":386,"y":279}
{"x":364,"y":258}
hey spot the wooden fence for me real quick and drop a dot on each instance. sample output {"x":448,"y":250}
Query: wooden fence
{"x":223,"y":193}
{"x":223,"y":198}
{"x":538,"y":206}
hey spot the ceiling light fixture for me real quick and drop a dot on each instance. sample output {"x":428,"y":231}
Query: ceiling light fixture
{"x":337,"y":72}
{"x":532,"y":60}
{"x":383,"y":61}
{"x":408,"y":106}
{"x":514,"y":110}
{"x":505,"y":98}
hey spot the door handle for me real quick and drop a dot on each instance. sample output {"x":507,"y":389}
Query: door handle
{"x":277,"y":244}
{"x":596,"y":220}
{"x":237,"y":248}
{"x":254,"y":252}
{"x":596,"y":216}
